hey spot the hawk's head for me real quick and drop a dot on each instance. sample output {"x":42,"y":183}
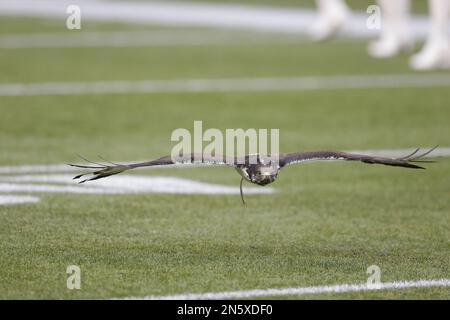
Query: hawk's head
{"x":260,"y":174}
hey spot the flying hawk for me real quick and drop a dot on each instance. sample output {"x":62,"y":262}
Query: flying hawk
{"x":256,"y":169}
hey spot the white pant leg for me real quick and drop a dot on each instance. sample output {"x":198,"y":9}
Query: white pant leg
{"x":439,"y":13}
{"x":395,"y":33}
{"x":332,"y":15}
{"x":436,"y":52}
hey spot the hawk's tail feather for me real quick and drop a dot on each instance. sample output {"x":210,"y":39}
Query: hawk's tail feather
{"x":89,"y":161}
{"x":409,"y":155}
{"x":103,"y":172}
{"x":393,"y":163}
{"x":413,"y":157}
{"x":408,"y":161}
{"x":409,"y":165}
{"x":85,"y":167}
{"x":423,"y":161}
{"x":107,"y":161}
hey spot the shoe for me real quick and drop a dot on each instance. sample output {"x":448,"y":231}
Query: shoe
{"x":434,"y":55}
{"x":389,"y":46}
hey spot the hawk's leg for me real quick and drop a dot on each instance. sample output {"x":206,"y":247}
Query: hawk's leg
{"x":242,"y":194}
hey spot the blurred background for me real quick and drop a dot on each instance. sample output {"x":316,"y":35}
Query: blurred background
{"x":59,"y":58}
{"x":115,"y":78}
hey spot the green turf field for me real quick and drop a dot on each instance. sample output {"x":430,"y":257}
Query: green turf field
{"x":326,"y":223}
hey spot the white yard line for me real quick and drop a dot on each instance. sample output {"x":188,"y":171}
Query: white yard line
{"x":33,"y":168}
{"x":55,"y":168}
{"x":14,"y":199}
{"x":275,"y":292}
{"x":228,"y":85}
{"x":124,"y":184}
{"x":140,"y":39}
{"x":262,"y":18}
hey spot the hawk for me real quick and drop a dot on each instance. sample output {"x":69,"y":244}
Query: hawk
{"x":257,"y":169}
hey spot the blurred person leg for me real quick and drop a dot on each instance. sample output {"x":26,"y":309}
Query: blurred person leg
{"x":395,"y":34}
{"x":332,"y":15}
{"x":436,"y":52}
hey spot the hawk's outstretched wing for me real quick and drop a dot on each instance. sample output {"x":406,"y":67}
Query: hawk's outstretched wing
{"x":406,"y":161}
{"x":105,"y":170}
